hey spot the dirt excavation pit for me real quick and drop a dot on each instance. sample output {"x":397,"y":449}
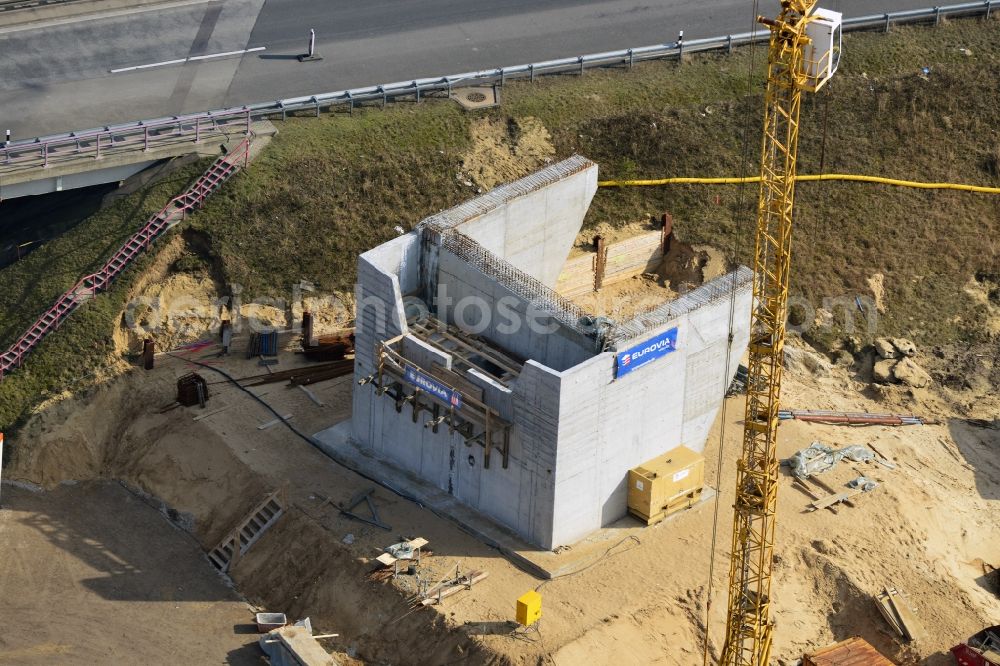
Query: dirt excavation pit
{"x":918,"y":529}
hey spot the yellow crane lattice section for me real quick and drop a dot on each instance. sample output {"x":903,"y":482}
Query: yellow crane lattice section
{"x":749,"y":625}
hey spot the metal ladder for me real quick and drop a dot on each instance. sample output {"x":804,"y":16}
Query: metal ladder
{"x":251,"y":528}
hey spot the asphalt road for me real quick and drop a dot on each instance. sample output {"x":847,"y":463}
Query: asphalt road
{"x":56,"y":77}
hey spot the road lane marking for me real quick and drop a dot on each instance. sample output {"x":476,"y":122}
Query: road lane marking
{"x":179,"y":61}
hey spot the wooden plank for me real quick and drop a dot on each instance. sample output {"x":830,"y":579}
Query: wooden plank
{"x":900,"y":603}
{"x":211,"y":413}
{"x":797,"y":483}
{"x":468,"y":580}
{"x":827,"y":487}
{"x":882,"y":601}
{"x":274,"y":422}
{"x":434,"y":588}
{"x":835,"y":498}
{"x":312,"y":396}
{"x":854,"y":651}
{"x":481,"y":349}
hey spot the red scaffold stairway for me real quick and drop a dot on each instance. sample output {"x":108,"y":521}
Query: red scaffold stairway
{"x":175,"y":211}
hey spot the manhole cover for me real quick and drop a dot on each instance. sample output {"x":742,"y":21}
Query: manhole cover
{"x":476,"y":97}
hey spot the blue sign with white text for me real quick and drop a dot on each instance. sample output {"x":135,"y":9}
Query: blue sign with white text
{"x":433,"y":386}
{"x":645,"y":352}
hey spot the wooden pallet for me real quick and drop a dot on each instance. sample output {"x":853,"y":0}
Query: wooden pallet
{"x":247,"y":532}
{"x":682,"y":502}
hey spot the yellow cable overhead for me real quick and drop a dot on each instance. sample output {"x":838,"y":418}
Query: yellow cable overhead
{"x":802,"y":178}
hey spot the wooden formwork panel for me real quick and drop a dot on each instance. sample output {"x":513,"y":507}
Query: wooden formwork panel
{"x":625,"y":259}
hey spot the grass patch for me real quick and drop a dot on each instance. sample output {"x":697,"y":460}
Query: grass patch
{"x":329,"y":188}
{"x":84,"y":341}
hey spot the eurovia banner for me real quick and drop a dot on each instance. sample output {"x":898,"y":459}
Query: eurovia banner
{"x":645,"y":352}
{"x":432,"y":386}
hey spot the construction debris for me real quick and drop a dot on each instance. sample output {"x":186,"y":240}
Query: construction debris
{"x":819,"y":457}
{"x":363,"y":496}
{"x":333,"y":347}
{"x":452,"y":585}
{"x":852,"y":418}
{"x":863,"y":483}
{"x":884,"y":349}
{"x":305,"y":375}
{"x":896,"y":365}
{"x":192,"y":389}
{"x":800,"y":484}
{"x":835,"y":498}
{"x":895,"y":606}
{"x":296,"y":645}
{"x":909,"y":373}
{"x":739,"y":383}
{"x":405,"y":551}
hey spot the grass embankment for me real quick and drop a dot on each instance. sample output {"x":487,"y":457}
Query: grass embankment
{"x":329,"y":188}
{"x":29,"y":287}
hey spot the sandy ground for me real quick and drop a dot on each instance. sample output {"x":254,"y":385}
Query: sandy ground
{"x":925,"y":528}
{"x":684,"y":268}
{"x":91,"y":574}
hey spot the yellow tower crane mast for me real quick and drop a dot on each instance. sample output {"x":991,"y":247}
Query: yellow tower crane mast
{"x":803,"y":54}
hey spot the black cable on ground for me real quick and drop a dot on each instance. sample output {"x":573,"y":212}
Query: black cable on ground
{"x":510,"y":556}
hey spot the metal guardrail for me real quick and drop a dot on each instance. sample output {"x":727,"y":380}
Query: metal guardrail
{"x":39,"y":152}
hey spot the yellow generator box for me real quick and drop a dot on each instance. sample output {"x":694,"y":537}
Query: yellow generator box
{"x":665,"y":484}
{"x":529,"y":608}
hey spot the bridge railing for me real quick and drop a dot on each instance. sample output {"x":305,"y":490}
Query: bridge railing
{"x":140,"y":136}
{"x":144,"y":134}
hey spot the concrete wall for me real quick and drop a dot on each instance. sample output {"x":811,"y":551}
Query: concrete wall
{"x":532,"y":222}
{"x":607,"y":425}
{"x":519,"y":497}
{"x":576,"y":430}
{"x":379,"y":316}
{"x":478,"y":304}
{"x":536,"y":231}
